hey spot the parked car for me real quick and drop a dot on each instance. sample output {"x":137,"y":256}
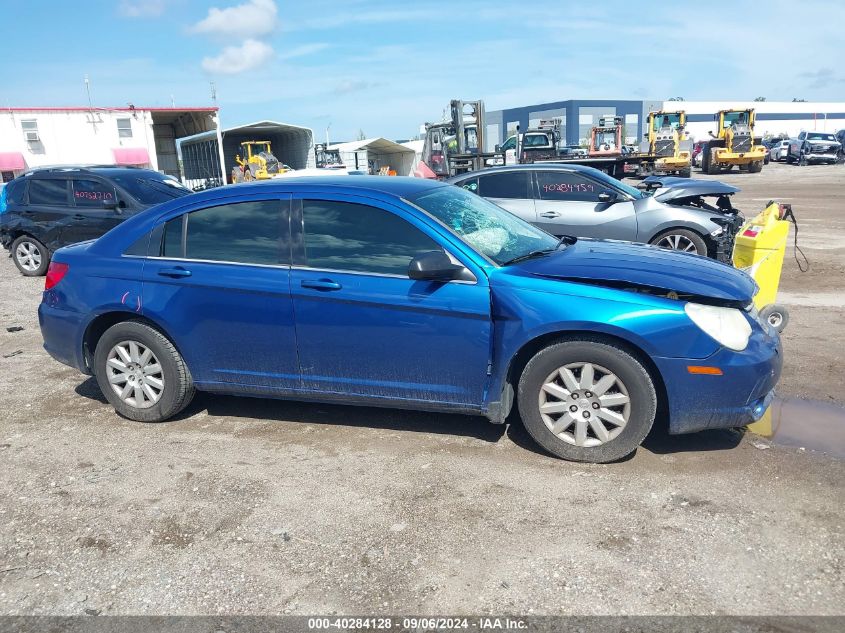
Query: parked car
{"x":408,"y":293}
{"x":49,"y":208}
{"x":778,"y":149}
{"x":585,"y":202}
{"x":813,"y":147}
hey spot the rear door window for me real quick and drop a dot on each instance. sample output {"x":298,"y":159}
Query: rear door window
{"x":242,"y":232}
{"x":508,"y":184}
{"x":563,"y":186}
{"x":91,"y":193}
{"x":45,"y":191}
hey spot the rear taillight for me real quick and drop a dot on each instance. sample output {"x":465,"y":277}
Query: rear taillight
{"x":55,"y":272}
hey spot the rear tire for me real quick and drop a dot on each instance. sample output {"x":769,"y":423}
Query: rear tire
{"x":685,"y":173}
{"x":609,"y":423}
{"x":30,"y":256}
{"x":756,"y":167}
{"x":141,"y":363}
{"x":681,"y":240}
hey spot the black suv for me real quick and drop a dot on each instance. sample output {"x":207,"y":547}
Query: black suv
{"x":46,"y":209}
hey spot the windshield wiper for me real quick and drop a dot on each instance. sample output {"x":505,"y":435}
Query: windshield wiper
{"x":566,"y":240}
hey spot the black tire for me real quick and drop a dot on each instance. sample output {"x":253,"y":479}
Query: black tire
{"x":25,"y":263}
{"x":789,"y":159}
{"x":685,"y":173}
{"x":776,"y":315}
{"x":755,"y":167}
{"x":686,"y":234}
{"x":178,"y":388}
{"x":705,"y":160}
{"x":637,"y":381}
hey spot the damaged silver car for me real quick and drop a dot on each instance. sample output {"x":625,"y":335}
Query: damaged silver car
{"x":695,"y":216}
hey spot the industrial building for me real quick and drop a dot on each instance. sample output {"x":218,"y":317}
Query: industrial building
{"x":201,"y":154}
{"x":132,"y":135}
{"x":774,"y":118}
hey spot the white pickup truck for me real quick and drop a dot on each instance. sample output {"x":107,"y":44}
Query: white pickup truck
{"x":813,"y":147}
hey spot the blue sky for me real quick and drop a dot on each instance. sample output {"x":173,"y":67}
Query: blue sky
{"x":384,"y":67}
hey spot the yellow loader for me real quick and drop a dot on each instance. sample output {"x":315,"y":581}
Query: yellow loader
{"x":258,"y":162}
{"x":733,"y":144}
{"x":668,"y":144}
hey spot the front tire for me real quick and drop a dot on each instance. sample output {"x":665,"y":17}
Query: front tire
{"x":141,"y":373}
{"x":681,"y":240}
{"x":587,"y":400}
{"x":30,"y":256}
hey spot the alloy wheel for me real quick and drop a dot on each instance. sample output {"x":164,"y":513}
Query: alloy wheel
{"x":584,"y":404}
{"x":677,"y":242}
{"x":135,"y":374}
{"x":28,"y":256}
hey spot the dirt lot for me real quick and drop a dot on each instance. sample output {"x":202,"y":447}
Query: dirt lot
{"x":256,"y":506}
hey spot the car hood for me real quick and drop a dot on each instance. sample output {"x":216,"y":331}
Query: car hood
{"x":675,"y":190}
{"x":644,"y":268}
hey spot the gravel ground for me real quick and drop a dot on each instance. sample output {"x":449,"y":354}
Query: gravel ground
{"x":246,"y":506}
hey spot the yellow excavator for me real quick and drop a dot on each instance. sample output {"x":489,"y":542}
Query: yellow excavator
{"x":668,"y":145}
{"x":733,"y":144}
{"x":258,"y":162}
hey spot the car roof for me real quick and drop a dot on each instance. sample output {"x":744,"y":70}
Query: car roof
{"x":400,"y":186}
{"x":102,"y":170}
{"x":529,"y":167}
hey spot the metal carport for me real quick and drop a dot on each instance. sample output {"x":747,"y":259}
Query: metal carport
{"x":291,"y":144}
{"x":372,"y":154}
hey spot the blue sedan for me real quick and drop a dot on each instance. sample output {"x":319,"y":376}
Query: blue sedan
{"x":407,"y":293}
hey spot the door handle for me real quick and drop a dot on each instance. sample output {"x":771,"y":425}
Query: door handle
{"x":176,"y":272}
{"x":550,"y":214}
{"x":78,"y":216}
{"x":321,"y":284}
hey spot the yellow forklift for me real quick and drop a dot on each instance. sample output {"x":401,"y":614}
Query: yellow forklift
{"x":734,"y":144}
{"x":669,"y":148}
{"x":258,"y":162}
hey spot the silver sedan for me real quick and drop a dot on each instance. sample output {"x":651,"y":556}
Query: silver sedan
{"x":678,"y":213}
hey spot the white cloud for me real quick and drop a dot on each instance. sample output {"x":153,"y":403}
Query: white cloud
{"x":305,"y":49}
{"x":250,"y":19}
{"x":141,"y":8}
{"x":237,"y":59}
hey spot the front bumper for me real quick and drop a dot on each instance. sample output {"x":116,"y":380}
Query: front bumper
{"x":734,"y":158}
{"x":738,"y":397}
{"x":827,"y":156}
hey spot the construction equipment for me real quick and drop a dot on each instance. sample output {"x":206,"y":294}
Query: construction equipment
{"x":607,"y":138}
{"x":758,"y":250}
{"x":455,"y":146}
{"x":734,"y":144}
{"x":258,"y":162}
{"x":668,"y":148}
{"x":326,"y":158}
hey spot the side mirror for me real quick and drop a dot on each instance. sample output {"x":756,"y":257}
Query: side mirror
{"x":433,"y":266}
{"x":110,"y":204}
{"x":497,"y":149}
{"x":605,"y":196}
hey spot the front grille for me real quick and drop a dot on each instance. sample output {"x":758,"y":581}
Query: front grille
{"x":820,"y":149}
{"x":742,"y":144}
{"x":664,"y":148}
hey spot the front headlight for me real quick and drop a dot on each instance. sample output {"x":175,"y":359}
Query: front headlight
{"x":727,"y":326}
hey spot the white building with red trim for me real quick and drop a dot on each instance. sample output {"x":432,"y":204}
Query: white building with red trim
{"x":144,"y":137}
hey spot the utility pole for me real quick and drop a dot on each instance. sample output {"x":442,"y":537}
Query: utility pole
{"x":90,"y":103}
{"x":216,"y":119}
